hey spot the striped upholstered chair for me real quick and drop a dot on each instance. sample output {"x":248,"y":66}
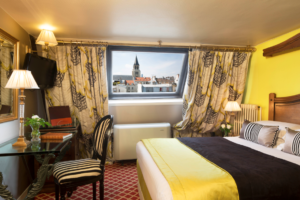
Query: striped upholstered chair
{"x":71,"y":174}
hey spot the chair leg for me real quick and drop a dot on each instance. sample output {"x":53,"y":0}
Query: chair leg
{"x":101,"y":188}
{"x":69,"y":193}
{"x":94,"y":191}
{"x":56,"y":192}
{"x":63,"y":193}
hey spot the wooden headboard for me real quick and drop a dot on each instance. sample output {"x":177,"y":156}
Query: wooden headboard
{"x":284,"y":109}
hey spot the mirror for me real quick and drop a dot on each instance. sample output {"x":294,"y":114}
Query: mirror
{"x":9,"y":60}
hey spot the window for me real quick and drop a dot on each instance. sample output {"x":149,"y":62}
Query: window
{"x":152,"y":72}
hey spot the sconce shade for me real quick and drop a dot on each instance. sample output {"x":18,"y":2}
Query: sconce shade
{"x":21,"y":79}
{"x":48,"y":37}
{"x":232,"y":106}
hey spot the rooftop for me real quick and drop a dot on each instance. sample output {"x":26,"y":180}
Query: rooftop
{"x":129,"y":82}
{"x":160,"y":85}
{"x":142,"y":79}
{"x":169,"y":80}
{"x":122,"y":77}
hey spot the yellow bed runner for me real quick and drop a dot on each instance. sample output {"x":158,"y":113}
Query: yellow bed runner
{"x":190,"y":175}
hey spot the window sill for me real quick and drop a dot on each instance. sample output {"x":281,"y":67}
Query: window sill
{"x":145,"y":102}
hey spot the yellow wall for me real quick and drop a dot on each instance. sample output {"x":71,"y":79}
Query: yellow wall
{"x":279,"y":74}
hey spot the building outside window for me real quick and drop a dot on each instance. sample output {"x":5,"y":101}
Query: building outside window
{"x":150,"y":72}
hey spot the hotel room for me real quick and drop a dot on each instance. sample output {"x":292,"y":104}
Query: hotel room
{"x":150,"y":100}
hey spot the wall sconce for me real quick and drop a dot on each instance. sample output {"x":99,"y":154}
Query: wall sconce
{"x":46,"y":38}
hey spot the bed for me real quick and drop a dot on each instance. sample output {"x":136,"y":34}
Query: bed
{"x":154,"y":185}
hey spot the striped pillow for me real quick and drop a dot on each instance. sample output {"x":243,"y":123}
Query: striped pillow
{"x":292,"y":142}
{"x":246,"y":122}
{"x":260,"y":134}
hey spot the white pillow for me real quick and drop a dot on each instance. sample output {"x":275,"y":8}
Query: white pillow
{"x":292,"y":129}
{"x":282,"y":131}
{"x":280,"y":147}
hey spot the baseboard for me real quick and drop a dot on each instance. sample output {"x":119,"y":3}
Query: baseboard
{"x":23,"y":195}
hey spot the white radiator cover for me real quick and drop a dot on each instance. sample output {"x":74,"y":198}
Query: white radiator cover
{"x":126,"y":137}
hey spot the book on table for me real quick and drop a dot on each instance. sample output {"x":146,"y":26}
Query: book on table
{"x":53,"y":140}
{"x":56,"y":136}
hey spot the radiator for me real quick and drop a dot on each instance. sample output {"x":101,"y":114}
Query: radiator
{"x":126,"y":137}
{"x":249,"y":112}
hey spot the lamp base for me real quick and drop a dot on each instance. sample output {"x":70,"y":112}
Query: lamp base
{"x":20,"y":142}
{"x":19,"y":149}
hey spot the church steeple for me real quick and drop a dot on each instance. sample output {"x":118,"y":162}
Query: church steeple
{"x":136,"y":61}
{"x":136,"y":68}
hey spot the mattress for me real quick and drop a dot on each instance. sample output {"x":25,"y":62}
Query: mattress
{"x":158,"y":186}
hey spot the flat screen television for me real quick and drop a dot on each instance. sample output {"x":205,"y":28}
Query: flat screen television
{"x":43,"y":70}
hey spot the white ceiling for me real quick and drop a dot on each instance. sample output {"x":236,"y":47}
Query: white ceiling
{"x":222,"y":22}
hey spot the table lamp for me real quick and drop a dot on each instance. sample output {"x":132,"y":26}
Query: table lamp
{"x":232,"y":106}
{"x":21,"y":79}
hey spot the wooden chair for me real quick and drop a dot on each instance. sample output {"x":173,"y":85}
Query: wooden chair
{"x":71,"y":174}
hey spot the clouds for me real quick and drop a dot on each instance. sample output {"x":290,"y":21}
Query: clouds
{"x":159,"y":64}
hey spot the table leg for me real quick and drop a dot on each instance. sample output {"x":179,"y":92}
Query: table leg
{"x":4,"y":193}
{"x":43,"y":172}
{"x":27,"y":168}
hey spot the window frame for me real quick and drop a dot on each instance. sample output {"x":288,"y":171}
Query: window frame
{"x":147,"y":95}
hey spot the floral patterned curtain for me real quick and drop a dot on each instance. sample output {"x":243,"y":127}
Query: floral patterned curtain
{"x":214,"y":79}
{"x":81,"y":84}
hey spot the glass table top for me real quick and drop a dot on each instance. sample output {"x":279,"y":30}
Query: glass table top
{"x":36,"y":147}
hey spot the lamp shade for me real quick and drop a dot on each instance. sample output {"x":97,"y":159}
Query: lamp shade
{"x":232,"y":106}
{"x":21,"y":79}
{"x":48,"y":37}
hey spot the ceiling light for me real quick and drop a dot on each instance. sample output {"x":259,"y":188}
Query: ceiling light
{"x":47,"y":27}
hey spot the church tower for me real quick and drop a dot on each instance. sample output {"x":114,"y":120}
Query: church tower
{"x":136,"y":72}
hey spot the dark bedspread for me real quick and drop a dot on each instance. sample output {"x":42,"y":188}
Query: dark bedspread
{"x":257,"y":175}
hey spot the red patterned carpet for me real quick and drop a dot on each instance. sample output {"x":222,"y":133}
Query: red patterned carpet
{"x":120,"y":183}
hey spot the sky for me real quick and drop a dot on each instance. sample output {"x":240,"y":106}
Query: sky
{"x":158,"y":64}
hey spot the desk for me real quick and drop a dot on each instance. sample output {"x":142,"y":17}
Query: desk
{"x":42,"y":152}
